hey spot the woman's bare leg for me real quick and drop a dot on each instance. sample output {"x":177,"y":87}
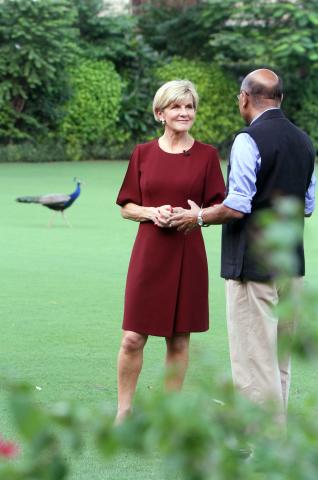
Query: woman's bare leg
{"x":177,"y":360}
{"x":130,"y":360}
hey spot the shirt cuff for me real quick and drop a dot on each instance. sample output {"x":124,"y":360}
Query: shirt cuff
{"x":238,"y":202}
{"x":309,"y":207}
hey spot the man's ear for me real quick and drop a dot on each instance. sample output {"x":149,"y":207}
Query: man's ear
{"x":245,"y":101}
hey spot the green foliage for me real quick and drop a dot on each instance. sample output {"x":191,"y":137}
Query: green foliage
{"x":306,"y":114}
{"x":50,"y":151}
{"x":280,"y":231}
{"x":30,"y":33}
{"x":102,"y":151}
{"x":118,"y":39}
{"x":88,"y":17}
{"x":139,"y":87}
{"x":92,"y":112}
{"x":135,"y":60}
{"x":105,"y":37}
{"x":185,"y":31}
{"x":44,"y":441}
{"x":53,"y":150}
{"x":217,"y":118}
{"x":281,"y":34}
{"x":37,"y":43}
{"x":209,"y":434}
{"x":243,"y":36}
{"x":8,"y":119}
{"x":41,"y":40}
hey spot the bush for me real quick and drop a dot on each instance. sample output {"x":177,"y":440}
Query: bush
{"x":28,"y":152}
{"x":92,"y":112}
{"x":180,"y":30}
{"x":218,"y":117}
{"x":102,"y":151}
{"x":56,"y":151}
{"x":8,"y":118}
{"x":38,"y":43}
{"x":117,"y":38}
{"x":306,"y":117}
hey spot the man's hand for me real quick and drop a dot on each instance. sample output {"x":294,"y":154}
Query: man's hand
{"x":185,"y":220}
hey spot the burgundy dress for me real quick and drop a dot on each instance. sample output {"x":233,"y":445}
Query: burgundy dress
{"x":167,"y":282}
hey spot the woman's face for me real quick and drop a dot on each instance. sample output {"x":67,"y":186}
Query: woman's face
{"x":179,"y":116}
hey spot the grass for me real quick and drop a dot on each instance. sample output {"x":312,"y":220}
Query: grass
{"x":62,"y":293}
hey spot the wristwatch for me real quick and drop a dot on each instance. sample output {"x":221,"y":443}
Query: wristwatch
{"x":200,"y":221}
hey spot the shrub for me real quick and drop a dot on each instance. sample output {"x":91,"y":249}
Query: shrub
{"x":28,"y":152}
{"x":117,"y":38}
{"x":8,"y":129}
{"x":37,"y":46}
{"x":92,"y":112}
{"x":56,"y":151}
{"x":306,"y":117}
{"x":218,"y":117}
{"x":173,"y":29}
{"x":102,"y":151}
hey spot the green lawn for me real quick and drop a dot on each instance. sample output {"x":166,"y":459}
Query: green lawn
{"x":62,"y":300}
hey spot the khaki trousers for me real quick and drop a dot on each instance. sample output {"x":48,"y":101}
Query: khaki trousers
{"x":254,"y":332}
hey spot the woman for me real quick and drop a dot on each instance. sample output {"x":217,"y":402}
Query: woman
{"x":167,"y":283}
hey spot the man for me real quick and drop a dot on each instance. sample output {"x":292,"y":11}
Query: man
{"x":270,"y":157}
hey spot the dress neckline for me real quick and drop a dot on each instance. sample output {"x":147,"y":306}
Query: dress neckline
{"x":185,"y":152}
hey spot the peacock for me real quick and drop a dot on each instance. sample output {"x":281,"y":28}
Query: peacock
{"x":55,"y":201}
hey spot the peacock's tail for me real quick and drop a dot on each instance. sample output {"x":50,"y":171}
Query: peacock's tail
{"x":29,"y":199}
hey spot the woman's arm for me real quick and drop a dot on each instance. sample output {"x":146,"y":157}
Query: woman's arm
{"x":138,"y":213}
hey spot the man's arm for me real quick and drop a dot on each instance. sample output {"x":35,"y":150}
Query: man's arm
{"x":310,"y":196}
{"x":245,"y":163}
{"x":187,"y":220}
{"x":219,"y":214}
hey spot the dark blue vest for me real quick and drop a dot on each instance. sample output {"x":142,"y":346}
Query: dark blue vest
{"x":287,"y":163}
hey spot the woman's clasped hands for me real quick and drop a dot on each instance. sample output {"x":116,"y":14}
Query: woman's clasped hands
{"x":164,"y":215}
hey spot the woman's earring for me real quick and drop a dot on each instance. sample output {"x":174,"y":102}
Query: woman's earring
{"x":163,"y":122}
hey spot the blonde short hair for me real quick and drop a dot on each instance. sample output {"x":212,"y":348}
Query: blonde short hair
{"x":173,"y":91}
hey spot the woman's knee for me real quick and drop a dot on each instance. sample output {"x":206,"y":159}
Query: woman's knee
{"x":133,"y":342}
{"x":178,"y":343}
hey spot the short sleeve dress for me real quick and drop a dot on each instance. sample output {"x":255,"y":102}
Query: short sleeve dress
{"x":167,"y":281}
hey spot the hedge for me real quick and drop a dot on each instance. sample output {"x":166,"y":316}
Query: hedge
{"x":218,"y":115}
{"x":92,"y":112}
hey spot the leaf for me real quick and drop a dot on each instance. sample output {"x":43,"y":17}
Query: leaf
{"x":28,"y":417}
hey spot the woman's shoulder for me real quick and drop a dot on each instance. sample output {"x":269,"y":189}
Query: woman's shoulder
{"x":144,"y":147}
{"x":141,"y":149}
{"x":206,"y":151}
{"x":206,"y":147}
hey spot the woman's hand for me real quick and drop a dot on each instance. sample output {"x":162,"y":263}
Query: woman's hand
{"x":152,"y":213}
{"x":138,"y":213}
{"x":163,"y":216}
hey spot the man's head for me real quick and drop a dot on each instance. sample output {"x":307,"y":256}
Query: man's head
{"x":260,"y":89}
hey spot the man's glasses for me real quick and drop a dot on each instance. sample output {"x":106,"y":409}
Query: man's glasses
{"x":246,"y":93}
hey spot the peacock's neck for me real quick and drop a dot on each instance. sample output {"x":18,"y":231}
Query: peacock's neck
{"x":76,"y":192}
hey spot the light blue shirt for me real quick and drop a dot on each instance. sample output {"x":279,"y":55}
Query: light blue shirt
{"x":245,"y":161}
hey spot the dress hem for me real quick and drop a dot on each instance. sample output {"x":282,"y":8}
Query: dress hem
{"x":163,"y":335}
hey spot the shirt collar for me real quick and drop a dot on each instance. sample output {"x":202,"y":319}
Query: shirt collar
{"x":260,"y":114}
